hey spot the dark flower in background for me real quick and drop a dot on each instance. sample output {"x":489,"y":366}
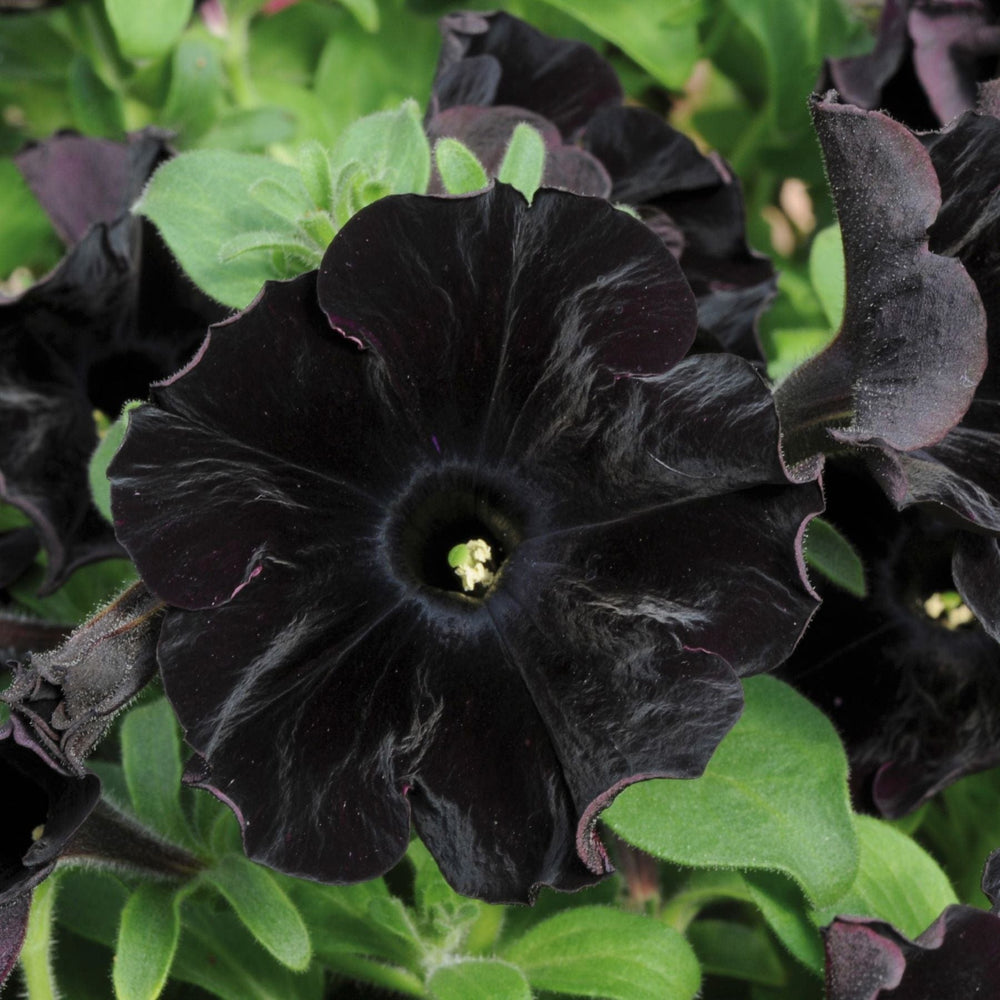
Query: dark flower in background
{"x":956,"y":958}
{"x":928,"y":58}
{"x":496,"y":71}
{"x":912,"y":688}
{"x":908,"y":676}
{"x":464,"y":540}
{"x":115,"y":314}
{"x":45,"y":808}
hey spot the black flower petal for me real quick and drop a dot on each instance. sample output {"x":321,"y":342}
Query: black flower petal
{"x":957,"y":957}
{"x":928,"y":57}
{"x":92,"y":334}
{"x":913,"y":691}
{"x":492,"y":59}
{"x":461,"y":369}
{"x":50,"y":807}
{"x":496,"y":71}
{"x":903,"y":368}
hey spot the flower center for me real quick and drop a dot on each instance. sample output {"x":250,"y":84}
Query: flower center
{"x":452,"y":535}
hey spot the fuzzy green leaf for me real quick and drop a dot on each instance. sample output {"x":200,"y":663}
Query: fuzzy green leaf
{"x":264,"y":908}
{"x":201,"y":200}
{"x":897,"y":881}
{"x":787,"y":913}
{"x":726,"y":948}
{"x":479,"y":979}
{"x":828,"y":552}
{"x":594,"y":951}
{"x":460,"y":169}
{"x":774,"y":796}
{"x":392,"y":149}
{"x":151,"y":759}
{"x":524,"y":161}
{"x":147,"y":940}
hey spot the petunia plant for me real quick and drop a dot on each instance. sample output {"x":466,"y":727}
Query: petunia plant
{"x":499,"y":504}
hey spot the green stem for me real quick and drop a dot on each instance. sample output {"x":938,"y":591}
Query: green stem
{"x":36,"y":967}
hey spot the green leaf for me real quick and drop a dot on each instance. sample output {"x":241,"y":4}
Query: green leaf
{"x":90,"y":903}
{"x":97,"y":109}
{"x":787,"y":913}
{"x":479,"y":979}
{"x":89,"y":588}
{"x":100,"y":488}
{"x":218,"y":954}
{"x":726,"y":948}
{"x":826,"y":272}
{"x":195,"y":92}
{"x":250,"y":129}
{"x":787,"y":348}
{"x":460,"y":169}
{"x":662,"y":38}
{"x":147,"y":939}
{"x":828,"y":552}
{"x":897,"y":881}
{"x":149,"y":29}
{"x":264,"y":908}
{"x":391,"y":147}
{"x":365,"y":13}
{"x":594,"y":951}
{"x":27,"y":238}
{"x":151,"y":759}
{"x":774,"y":796}
{"x":314,"y":165}
{"x":524,"y":161}
{"x":200,"y":200}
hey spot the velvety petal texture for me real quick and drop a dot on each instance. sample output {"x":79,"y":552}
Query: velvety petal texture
{"x":459,"y":370}
{"x":956,"y":958}
{"x":912,"y":347}
{"x":91,"y":335}
{"x":496,"y":71}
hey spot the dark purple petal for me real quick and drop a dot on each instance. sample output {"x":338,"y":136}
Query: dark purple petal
{"x":533,"y":283}
{"x":352,"y":713}
{"x":903,"y":369}
{"x":861,"y":79}
{"x":80,"y":180}
{"x":913,"y":695}
{"x":991,"y":880}
{"x":960,"y":472}
{"x":928,"y":57}
{"x":294,"y":492}
{"x":564,"y":81}
{"x":13,"y":926}
{"x":661,"y":170}
{"x":954,"y":46}
{"x":966,"y":157}
{"x":956,"y":958}
{"x":976,"y":569}
{"x":51,"y":806}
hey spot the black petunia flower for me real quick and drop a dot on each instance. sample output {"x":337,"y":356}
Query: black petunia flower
{"x":928,"y":58}
{"x":115,"y":314}
{"x":956,"y":958}
{"x":45,"y":809}
{"x":461,"y":540}
{"x":496,"y":71}
{"x":899,"y":394}
{"x":906,"y":673}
